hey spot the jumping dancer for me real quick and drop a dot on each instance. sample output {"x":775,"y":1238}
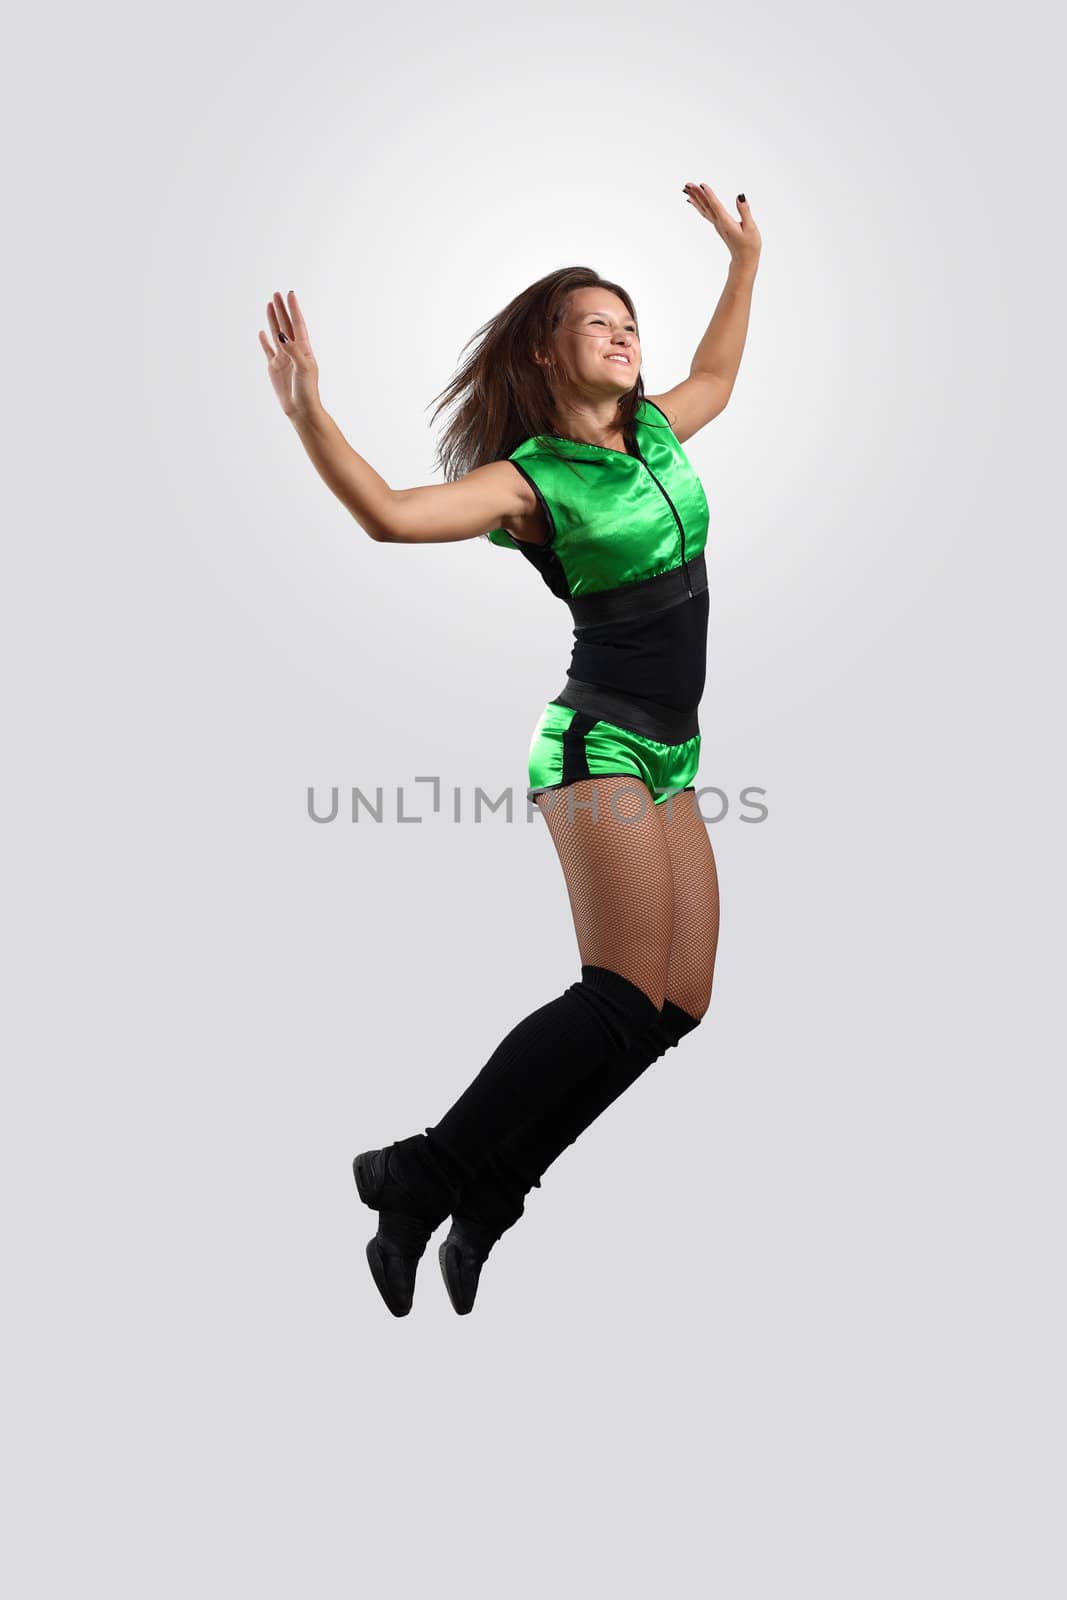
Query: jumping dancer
{"x":555,"y":451}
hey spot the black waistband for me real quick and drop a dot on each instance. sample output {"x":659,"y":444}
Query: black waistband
{"x":631,"y":600}
{"x":646,"y":717}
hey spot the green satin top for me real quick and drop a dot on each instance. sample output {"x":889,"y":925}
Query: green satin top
{"x":614,"y":518}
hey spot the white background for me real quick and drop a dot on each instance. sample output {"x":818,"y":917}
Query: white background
{"x":784,"y":1322}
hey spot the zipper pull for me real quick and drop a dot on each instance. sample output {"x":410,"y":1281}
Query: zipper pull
{"x":688,"y":581}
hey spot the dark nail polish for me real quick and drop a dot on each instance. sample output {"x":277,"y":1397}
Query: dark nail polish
{"x":740,"y":197}
{"x":282,"y":337}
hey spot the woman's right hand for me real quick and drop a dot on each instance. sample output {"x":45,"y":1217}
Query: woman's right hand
{"x":294,"y":372}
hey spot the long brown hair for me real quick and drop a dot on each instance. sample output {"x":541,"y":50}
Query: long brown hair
{"x":504,"y":396}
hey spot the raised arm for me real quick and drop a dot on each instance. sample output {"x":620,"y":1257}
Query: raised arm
{"x":493,"y":496}
{"x":490,"y":497}
{"x":691,"y":404}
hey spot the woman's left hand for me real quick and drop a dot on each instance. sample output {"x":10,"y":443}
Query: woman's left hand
{"x":742,"y":238}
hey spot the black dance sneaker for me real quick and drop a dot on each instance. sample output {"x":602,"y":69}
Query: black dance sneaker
{"x":462,"y":1256}
{"x":402,"y":1185}
{"x":486,"y":1208}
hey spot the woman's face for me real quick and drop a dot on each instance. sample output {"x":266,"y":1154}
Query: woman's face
{"x":597,"y":344}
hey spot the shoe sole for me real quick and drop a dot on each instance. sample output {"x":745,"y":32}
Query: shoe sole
{"x":369,"y":1170}
{"x":448,"y":1257}
{"x":376,"y":1261}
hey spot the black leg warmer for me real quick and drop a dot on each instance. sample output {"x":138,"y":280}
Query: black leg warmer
{"x":547,"y":1055}
{"x":495,"y":1196}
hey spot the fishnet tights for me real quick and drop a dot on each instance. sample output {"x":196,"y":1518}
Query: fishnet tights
{"x":642,"y":883}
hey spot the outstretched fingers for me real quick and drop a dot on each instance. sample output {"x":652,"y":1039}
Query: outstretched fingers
{"x":298,"y":323}
{"x":288,"y":319}
{"x":705,"y":200}
{"x":279,"y":320}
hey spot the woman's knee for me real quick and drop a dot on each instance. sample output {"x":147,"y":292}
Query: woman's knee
{"x":693,"y":999}
{"x":644,"y":965}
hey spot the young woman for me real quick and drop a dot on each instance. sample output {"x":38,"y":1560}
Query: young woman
{"x":555,"y":451}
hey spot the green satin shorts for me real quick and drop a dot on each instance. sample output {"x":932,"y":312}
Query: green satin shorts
{"x":569,"y":745}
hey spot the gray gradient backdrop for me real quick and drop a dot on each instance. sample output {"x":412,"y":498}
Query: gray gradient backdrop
{"x":783,"y":1324}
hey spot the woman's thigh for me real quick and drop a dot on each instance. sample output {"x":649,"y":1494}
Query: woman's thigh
{"x":612,"y":845}
{"x":695,"y":932}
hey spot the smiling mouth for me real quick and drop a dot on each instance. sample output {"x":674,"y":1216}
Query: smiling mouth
{"x":618,"y":358}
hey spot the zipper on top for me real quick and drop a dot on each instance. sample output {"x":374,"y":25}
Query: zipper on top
{"x":677,"y":518}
